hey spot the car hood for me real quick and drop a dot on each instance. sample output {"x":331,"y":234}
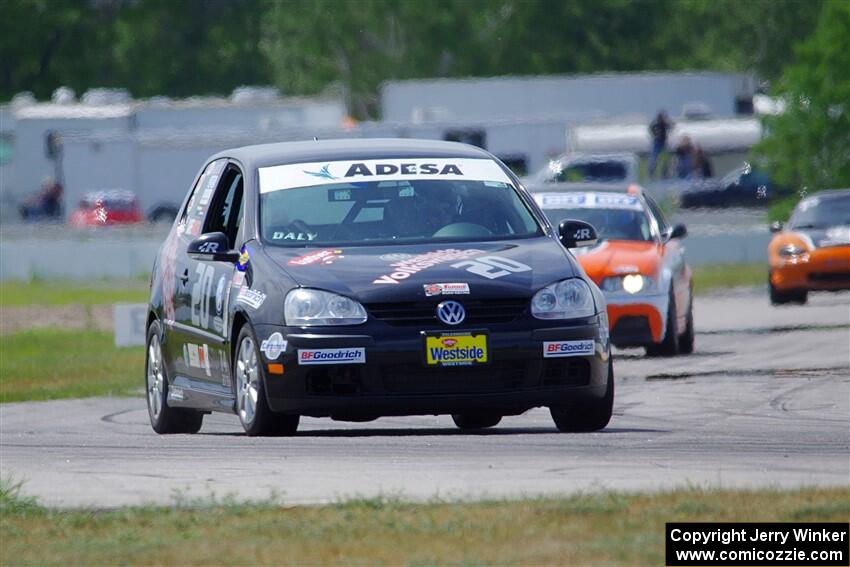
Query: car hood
{"x":400,"y":273}
{"x":825,"y":237}
{"x":618,"y":257}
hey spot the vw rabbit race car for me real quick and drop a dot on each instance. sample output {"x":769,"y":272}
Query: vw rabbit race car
{"x":638,"y":263}
{"x":811,"y":253}
{"x":355,"y":279}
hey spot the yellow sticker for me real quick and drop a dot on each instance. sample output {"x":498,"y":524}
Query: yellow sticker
{"x":456,"y":350}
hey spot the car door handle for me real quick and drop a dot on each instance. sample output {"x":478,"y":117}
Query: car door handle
{"x":185,"y":277}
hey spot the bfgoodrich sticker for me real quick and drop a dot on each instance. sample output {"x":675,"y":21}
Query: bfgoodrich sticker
{"x":332,"y":356}
{"x":553,"y":349}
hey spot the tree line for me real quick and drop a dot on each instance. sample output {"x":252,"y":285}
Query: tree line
{"x":179,"y":48}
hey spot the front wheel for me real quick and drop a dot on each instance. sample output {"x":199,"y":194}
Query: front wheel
{"x":164,"y":419}
{"x":669,"y":345}
{"x":778,"y":297}
{"x":471,"y":421}
{"x":591,"y":416}
{"x":249,"y":380}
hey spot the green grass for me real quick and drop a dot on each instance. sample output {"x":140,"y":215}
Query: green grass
{"x":48,"y":364}
{"x":711,"y":277}
{"x":592,"y":529}
{"x":65,"y":292}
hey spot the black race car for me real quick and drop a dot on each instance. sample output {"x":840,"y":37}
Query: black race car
{"x":362,"y":278}
{"x":742,"y":187}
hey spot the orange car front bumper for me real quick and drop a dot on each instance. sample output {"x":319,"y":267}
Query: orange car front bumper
{"x":820,"y":269}
{"x":636,"y":324}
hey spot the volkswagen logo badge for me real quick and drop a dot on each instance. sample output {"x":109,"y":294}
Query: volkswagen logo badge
{"x":451,"y":312}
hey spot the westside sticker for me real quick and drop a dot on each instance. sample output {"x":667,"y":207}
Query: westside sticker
{"x":403,"y":269}
{"x":251,"y":297}
{"x":555,"y":349}
{"x":332,"y":356}
{"x":446,"y":289}
{"x":273,"y":346}
{"x":326,"y":256}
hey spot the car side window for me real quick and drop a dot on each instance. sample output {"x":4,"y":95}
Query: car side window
{"x":225,"y":214}
{"x":193,"y":215}
{"x":656,"y":212}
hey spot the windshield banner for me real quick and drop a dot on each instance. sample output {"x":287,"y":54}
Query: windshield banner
{"x":586,"y":201}
{"x":406,"y":169}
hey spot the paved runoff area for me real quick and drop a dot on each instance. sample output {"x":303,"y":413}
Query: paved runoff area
{"x":763,"y":402}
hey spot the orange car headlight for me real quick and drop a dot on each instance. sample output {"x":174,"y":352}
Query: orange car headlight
{"x":791,"y":251}
{"x":631,"y":284}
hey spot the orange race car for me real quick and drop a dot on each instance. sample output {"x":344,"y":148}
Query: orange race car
{"x":813,"y":251}
{"x":639,"y":263}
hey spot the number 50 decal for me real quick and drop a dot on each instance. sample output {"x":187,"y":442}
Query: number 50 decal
{"x":492,"y":267}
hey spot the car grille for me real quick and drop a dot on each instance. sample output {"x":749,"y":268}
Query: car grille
{"x":416,"y":379}
{"x":419,"y":313}
{"x":829,"y":276}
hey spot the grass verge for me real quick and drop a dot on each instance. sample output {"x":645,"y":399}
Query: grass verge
{"x":47,"y":364}
{"x":65,"y":292}
{"x":716,"y":276}
{"x":597,"y":529}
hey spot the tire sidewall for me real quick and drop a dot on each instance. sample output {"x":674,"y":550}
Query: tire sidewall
{"x":154,"y":330}
{"x":261,"y":408}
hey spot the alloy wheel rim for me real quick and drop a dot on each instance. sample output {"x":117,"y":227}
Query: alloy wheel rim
{"x":155,"y":378}
{"x":247,"y":381}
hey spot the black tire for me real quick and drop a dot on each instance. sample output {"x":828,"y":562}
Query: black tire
{"x":164,"y":419}
{"x":784,"y":297}
{"x":469,"y":421}
{"x":249,"y":382}
{"x":591,"y":416}
{"x":686,"y":340}
{"x":669,"y":345}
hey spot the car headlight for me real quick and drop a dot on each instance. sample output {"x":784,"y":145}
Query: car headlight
{"x":567,"y":299}
{"x":631,"y":283}
{"x":790,"y":251}
{"x":309,"y":307}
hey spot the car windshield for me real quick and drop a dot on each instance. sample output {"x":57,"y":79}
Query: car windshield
{"x":615,"y":216}
{"x":610,"y":224}
{"x":596,"y":170}
{"x":822,"y":212}
{"x":394,"y":211}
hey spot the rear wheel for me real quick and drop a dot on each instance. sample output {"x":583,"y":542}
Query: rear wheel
{"x":249,"y":380}
{"x":590,"y":416}
{"x":468,"y":421}
{"x":164,"y":419}
{"x":669,"y":345}
{"x":778,"y":297}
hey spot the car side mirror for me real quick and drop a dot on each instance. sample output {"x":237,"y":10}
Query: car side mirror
{"x":678,"y":231}
{"x":775,"y":226}
{"x":576,"y":233}
{"x":212,"y":246}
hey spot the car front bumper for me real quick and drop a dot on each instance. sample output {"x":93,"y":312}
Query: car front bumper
{"x":820,"y":269}
{"x":393,"y":379}
{"x":637,"y":320}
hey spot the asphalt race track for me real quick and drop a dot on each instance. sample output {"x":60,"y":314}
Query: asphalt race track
{"x":763,"y":402}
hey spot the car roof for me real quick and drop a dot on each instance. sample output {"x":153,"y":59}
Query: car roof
{"x":829,"y":194}
{"x":283,"y":153}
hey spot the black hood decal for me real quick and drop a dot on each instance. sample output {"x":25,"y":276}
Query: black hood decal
{"x":515,"y":268}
